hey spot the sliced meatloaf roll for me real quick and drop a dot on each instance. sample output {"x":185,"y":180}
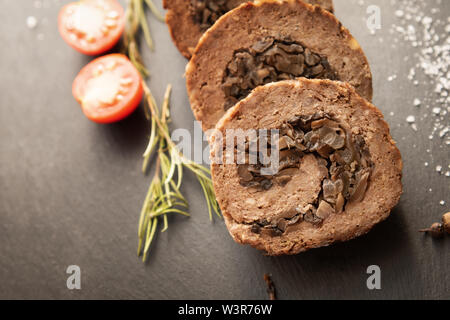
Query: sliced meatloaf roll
{"x":189,"y":19}
{"x":266,"y":41}
{"x":325,"y":168}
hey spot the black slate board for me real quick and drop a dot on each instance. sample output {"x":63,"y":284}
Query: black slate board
{"x":71,"y":190}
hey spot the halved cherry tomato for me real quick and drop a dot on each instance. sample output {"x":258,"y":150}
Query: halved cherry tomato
{"x":108,"y":89}
{"x":92,"y":27}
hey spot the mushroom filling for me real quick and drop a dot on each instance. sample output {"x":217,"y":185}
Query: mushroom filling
{"x":271,"y":60}
{"x":206,"y":12}
{"x":344,"y":159}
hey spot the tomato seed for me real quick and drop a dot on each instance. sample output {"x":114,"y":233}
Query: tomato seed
{"x":98,"y":71}
{"x":111,"y":65}
{"x":126,"y":81}
{"x":110,"y":23}
{"x":90,"y":38}
{"x":112,"y":15}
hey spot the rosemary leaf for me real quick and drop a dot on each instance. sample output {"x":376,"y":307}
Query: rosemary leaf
{"x":166,"y":224}
{"x":150,"y":236}
{"x":154,"y":10}
{"x":173,"y":164}
{"x":151,"y":146}
{"x":145,"y":29}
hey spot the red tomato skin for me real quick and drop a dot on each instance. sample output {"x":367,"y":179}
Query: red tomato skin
{"x":128,"y":108}
{"x":108,"y":42}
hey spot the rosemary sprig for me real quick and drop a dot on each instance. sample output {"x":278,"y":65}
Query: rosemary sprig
{"x":177,"y":160}
{"x":163,"y":196}
{"x":136,"y":21}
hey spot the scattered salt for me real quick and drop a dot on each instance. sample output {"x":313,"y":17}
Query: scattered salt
{"x":392,"y":78}
{"x":399,"y":13}
{"x":417,"y":26}
{"x":417,"y":102}
{"x":411,"y":119}
{"x":444,"y":132}
{"x":32,"y":22}
{"x":437,"y":111}
{"x":427,"y":21}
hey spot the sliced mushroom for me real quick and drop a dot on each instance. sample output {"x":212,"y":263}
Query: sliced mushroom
{"x":244,"y":174}
{"x":311,"y":59}
{"x":256,"y":228}
{"x":361,"y":186}
{"x":291,"y":48}
{"x":262,"y":45}
{"x":282,"y":225}
{"x":344,"y":156}
{"x":324,"y":122}
{"x":289,"y":158}
{"x":329,"y":190}
{"x":297,"y":218}
{"x":324,"y":210}
{"x":285,"y":142}
{"x":266,"y":184}
{"x":312,"y":218}
{"x":344,"y":164}
{"x":267,"y":60}
{"x":276,"y":232}
{"x":339,"y":203}
{"x":282,"y":180}
{"x":324,"y":150}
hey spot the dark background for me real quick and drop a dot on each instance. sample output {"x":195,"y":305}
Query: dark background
{"x":71,"y":190}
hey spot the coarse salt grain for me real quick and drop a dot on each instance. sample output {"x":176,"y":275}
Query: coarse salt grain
{"x":399,"y":13}
{"x":437,"y":110}
{"x":32,"y":22}
{"x":411,"y":119}
{"x":392,"y":78}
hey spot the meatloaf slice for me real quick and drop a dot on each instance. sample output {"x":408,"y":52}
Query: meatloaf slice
{"x":266,"y":41}
{"x":337,"y":174}
{"x":189,"y":19}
